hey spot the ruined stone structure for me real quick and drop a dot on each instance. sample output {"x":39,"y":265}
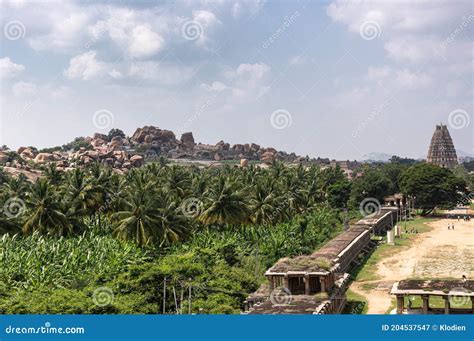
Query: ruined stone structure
{"x":316,"y":283}
{"x":442,"y":151}
{"x":458,"y":296}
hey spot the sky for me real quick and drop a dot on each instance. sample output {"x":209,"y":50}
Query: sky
{"x":337,"y":79}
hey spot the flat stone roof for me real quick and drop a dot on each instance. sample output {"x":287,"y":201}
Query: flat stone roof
{"x":302,"y":265}
{"x":434,"y":287}
{"x":336,"y":245}
{"x":299,"y":304}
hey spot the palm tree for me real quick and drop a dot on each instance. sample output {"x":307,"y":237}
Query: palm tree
{"x":44,"y":211}
{"x":149,"y":218}
{"x":138,"y":218}
{"x":80,"y":193}
{"x":53,"y":174}
{"x":177,"y":181}
{"x":173,"y":226}
{"x":224,"y":205}
{"x":266,"y":204}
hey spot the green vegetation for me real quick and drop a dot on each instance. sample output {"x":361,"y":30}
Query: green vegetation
{"x":115,"y":132}
{"x":356,"y":304}
{"x":167,"y":238}
{"x":209,"y":231}
{"x":436,"y":302}
{"x":41,"y":261}
{"x":433,"y":186}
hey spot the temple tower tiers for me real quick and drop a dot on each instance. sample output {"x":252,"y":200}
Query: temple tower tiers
{"x":442,"y":151}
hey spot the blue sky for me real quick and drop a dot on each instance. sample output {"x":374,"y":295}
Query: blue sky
{"x":334,"y":79}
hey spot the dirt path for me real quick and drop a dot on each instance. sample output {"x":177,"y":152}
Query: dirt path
{"x":437,"y":254}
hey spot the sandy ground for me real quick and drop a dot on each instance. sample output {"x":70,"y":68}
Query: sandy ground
{"x":435,"y":254}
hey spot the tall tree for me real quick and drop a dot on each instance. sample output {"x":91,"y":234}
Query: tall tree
{"x":432,"y":186}
{"x":45,"y":213}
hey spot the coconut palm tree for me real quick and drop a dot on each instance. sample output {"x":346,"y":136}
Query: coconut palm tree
{"x":53,"y":174}
{"x":138,"y":218}
{"x":44,"y":211}
{"x":266,"y":204}
{"x":79,"y":193}
{"x":149,"y":217}
{"x":224,"y":204}
{"x":173,"y":226}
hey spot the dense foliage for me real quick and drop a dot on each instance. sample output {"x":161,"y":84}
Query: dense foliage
{"x":166,"y":238}
{"x":214,"y":229}
{"x":432,"y":187}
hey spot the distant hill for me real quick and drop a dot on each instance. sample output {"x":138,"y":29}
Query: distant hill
{"x":376,"y":157}
{"x":463,"y":156}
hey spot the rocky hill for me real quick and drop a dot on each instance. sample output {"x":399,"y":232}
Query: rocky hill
{"x":146,"y":144}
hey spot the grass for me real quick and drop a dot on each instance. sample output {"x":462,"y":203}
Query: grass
{"x":367,"y":271}
{"x":356,"y":304}
{"x":369,"y":286}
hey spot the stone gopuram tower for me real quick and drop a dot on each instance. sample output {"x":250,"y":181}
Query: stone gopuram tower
{"x":442,"y":151}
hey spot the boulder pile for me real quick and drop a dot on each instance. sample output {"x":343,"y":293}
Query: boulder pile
{"x":146,"y":143}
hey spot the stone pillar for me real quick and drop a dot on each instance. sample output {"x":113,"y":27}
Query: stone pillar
{"x":307,"y":287}
{"x":271,"y":283}
{"x":446,"y":305}
{"x":286,"y":282}
{"x":323,"y":284}
{"x":426,"y":303}
{"x":400,"y":304}
{"x":390,"y":237}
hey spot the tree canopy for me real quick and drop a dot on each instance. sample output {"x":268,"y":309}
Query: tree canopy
{"x":432,"y":186}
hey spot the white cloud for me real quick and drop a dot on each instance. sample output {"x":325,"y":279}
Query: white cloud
{"x":413,"y":49}
{"x":411,"y":31}
{"x":84,"y":66}
{"x":138,"y":33}
{"x":412,"y":80}
{"x":64,"y":28}
{"x":167,"y":74}
{"x":252,"y":72}
{"x":24,"y":89}
{"x":397,"y":16}
{"x":9,"y":69}
{"x":115,"y":74}
{"x":206,"y":20}
{"x":215,"y":86}
{"x":242,"y":7}
{"x":401,"y":79}
{"x":60,"y":92}
{"x":301,"y":60}
{"x":378,"y":73}
{"x":236,"y":10}
{"x":144,"y":42}
{"x":247,"y":82}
